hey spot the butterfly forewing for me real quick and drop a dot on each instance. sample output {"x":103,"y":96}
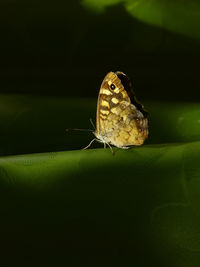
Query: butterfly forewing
{"x":119,"y":121}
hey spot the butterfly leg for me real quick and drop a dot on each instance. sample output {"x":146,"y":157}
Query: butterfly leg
{"x":110,"y":148}
{"x":89,"y":144}
{"x":104,"y":145}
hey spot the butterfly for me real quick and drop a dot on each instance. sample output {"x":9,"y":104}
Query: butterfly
{"x":121,"y":120}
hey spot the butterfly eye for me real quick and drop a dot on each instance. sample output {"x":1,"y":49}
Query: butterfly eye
{"x":112,"y":86}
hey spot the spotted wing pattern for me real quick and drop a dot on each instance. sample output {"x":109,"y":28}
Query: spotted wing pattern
{"x":120,"y":119}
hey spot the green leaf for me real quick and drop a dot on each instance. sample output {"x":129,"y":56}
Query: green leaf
{"x":177,"y":16}
{"x":138,"y":207}
{"x":144,"y":198}
{"x":37,"y":124}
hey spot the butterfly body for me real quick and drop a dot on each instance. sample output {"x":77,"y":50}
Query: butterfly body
{"x":120,"y":120}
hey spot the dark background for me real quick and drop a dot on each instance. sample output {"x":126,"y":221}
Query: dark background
{"x":139,"y":207}
{"x":62,"y":48}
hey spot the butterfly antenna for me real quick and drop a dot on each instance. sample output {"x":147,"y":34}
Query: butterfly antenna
{"x":92,"y":123}
{"x":76,"y":129}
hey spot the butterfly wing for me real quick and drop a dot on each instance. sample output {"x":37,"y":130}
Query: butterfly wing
{"x":105,"y":102}
{"x":120,"y":119}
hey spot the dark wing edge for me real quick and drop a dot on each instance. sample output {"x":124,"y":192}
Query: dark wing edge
{"x":126,"y":82}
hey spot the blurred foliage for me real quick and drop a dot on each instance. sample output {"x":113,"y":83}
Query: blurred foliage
{"x":161,"y":13}
{"x":139,"y":207}
{"x":136,"y":207}
{"x":62,"y":48}
{"x":37,"y":123}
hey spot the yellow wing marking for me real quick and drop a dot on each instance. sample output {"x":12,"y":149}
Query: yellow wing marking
{"x":105,"y":92}
{"x":105,"y":103}
{"x":115,"y":100}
